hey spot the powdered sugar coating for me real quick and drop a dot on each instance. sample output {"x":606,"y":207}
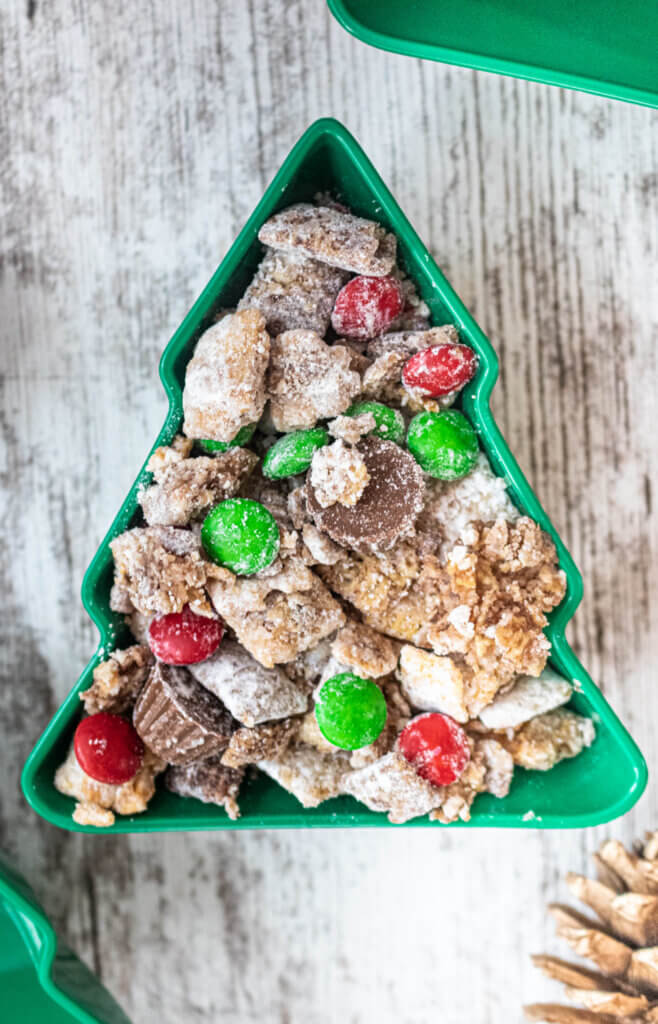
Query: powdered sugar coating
{"x":310,"y":775}
{"x":208,"y":780}
{"x":332,"y":236}
{"x":528,"y":698}
{"x":225,"y":378}
{"x":451,"y":505}
{"x":392,"y":786}
{"x":308,"y":380}
{"x":293,"y":292}
{"x":187,"y":489}
{"x":98,"y":800}
{"x":338,"y":474}
{"x":252,"y":693}
{"x":278,"y":617}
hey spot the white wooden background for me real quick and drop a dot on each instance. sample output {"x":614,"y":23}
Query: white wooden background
{"x":135,"y":138}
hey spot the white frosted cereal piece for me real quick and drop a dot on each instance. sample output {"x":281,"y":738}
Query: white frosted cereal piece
{"x":311,"y":775}
{"x":433,"y":683}
{"x":392,"y":786}
{"x":225,"y":378}
{"x":332,"y":236}
{"x":528,"y":698}
{"x":293,"y":292}
{"x":252,"y":693}
{"x":308,"y":380}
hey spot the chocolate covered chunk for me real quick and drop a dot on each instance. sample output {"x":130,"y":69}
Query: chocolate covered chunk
{"x":207,"y":780}
{"x":178,"y":718}
{"x":387,"y":507}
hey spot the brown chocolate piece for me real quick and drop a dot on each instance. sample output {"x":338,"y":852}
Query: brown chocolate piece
{"x":386,"y":509}
{"x":207,"y":780}
{"x":178,"y":718}
{"x":263,"y":741}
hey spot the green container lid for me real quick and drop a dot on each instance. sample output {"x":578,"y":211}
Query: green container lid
{"x":600,"y":784}
{"x":43,"y":982}
{"x":606,"y":47}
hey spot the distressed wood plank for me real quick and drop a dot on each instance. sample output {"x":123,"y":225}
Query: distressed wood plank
{"x":135,"y":142}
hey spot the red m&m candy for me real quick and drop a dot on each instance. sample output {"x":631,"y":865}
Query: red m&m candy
{"x":366,"y":306}
{"x":108,"y":749}
{"x":184,"y":638}
{"x":436,"y":746}
{"x":440,"y":369}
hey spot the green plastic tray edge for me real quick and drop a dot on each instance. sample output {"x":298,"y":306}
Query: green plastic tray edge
{"x":476,"y":400}
{"x":479,"y":62}
{"x":40,"y":939}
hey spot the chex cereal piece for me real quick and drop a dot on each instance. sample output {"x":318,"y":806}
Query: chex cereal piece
{"x":528,"y":698}
{"x":169,"y":455}
{"x":208,"y":780}
{"x":225,"y":378}
{"x":277,"y":617}
{"x":162,"y":569}
{"x":98,"y":800}
{"x":308,"y":380}
{"x":338,"y":475}
{"x":548,"y":739}
{"x":252,"y":693}
{"x":332,"y":236}
{"x":352,"y":428}
{"x":263,"y":742}
{"x":118,"y":680}
{"x":498,"y":763}
{"x":397,"y":592}
{"x":293,"y":292}
{"x":363,"y":649}
{"x":318,"y":548}
{"x":391,"y":785}
{"x":450,"y":506}
{"x":433,"y":683}
{"x":308,"y":774}
{"x":457,"y":799}
{"x":189,"y":488}
{"x":409,"y":342}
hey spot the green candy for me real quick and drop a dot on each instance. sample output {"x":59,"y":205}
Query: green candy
{"x":243,"y":436}
{"x":389,"y":422}
{"x":443,"y":443}
{"x":350,"y":711}
{"x":242,"y":535}
{"x":292,"y":453}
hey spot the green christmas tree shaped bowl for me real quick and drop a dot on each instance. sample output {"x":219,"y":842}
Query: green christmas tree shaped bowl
{"x":601,"y":784}
{"x":43,"y":982}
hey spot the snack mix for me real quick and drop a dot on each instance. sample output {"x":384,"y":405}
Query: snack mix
{"x":328,"y":582}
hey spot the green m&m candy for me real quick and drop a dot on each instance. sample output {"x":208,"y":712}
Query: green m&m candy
{"x":292,"y":453}
{"x":243,"y":436}
{"x":389,"y":422}
{"x":350,"y":711}
{"x":242,"y":535}
{"x":444,"y":444}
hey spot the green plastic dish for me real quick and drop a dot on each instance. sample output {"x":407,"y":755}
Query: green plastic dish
{"x":43,"y":982}
{"x":599,"y":785}
{"x":599,"y":46}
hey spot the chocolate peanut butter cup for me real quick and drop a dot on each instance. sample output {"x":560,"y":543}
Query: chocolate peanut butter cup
{"x":388,"y":507}
{"x":178,"y":718}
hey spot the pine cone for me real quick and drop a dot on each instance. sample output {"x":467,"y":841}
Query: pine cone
{"x":622,"y":945}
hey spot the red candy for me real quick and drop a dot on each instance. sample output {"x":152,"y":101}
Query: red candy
{"x":436,"y":746}
{"x":440,"y":370}
{"x":108,"y":749}
{"x":184,"y":638}
{"x":366,"y":306}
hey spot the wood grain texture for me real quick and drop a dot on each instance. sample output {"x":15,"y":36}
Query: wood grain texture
{"x":134,"y":142}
